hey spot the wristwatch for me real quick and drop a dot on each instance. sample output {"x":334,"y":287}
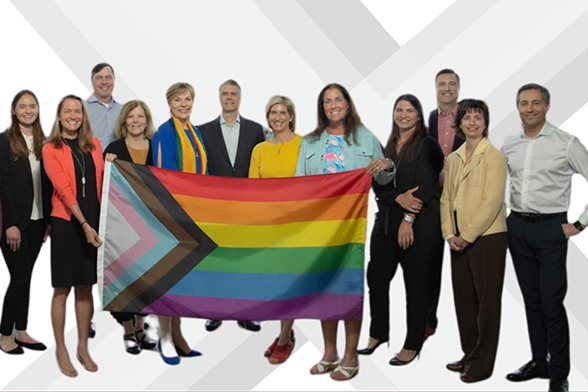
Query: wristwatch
{"x":579,"y":226}
{"x":408,"y":218}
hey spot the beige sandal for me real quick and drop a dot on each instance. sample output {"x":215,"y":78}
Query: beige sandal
{"x":348,"y":371}
{"x":323,"y":367}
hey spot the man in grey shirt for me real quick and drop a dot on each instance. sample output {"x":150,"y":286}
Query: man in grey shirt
{"x":541,"y":161}
{"x":102,"y":108}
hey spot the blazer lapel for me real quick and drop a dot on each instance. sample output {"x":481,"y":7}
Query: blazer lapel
{"x":27,"y":164}
{"x":220,"y":140}
{"x":474,"y":161}
{"x":243,"y":135}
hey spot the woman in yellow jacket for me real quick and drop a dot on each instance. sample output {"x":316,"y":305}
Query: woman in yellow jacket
{"x":473,"y":222}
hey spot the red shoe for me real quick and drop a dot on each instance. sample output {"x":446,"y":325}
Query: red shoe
{"x":271,"y":348}
{"x":281,"y":353}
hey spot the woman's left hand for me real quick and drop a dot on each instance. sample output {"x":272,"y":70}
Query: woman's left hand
{"x":378,"y":165}
{"x":110,"y":157}
{"x":405,"y":235}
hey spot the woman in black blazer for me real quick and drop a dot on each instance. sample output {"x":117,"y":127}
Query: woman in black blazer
{"x":407,"y":230}
{"x":134,"y":127}
{"x":25,"y":195}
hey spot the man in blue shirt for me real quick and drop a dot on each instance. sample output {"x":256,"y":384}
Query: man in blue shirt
{"x":102,"y":108}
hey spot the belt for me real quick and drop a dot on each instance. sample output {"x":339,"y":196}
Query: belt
{"x":527,"y":217}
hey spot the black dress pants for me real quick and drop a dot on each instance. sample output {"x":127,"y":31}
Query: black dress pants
{"x":539,"y":251}
{"x":386,"y":255}
{"x":20,"y":265}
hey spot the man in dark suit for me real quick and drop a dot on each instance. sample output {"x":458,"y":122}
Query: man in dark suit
{"x":229,"y":141}
{"x":441,"y":121}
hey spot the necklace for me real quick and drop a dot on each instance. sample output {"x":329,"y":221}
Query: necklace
{"x":82,"y":165}
{"x":280,"y":143}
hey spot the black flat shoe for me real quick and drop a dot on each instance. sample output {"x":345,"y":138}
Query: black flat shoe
{"x":15,"y":351}
{"x":31,"y":346}
{"x":370,"y":351}
{"x":398,"y":362}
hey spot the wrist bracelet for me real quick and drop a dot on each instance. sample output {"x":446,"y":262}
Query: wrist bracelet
{"x":82,"y":224}
{"x":391,"y":164}
{"x":579,"y":226}
{"x":408,"y":218}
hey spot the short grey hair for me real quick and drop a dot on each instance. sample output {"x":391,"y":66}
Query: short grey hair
{"x":230,"y":82}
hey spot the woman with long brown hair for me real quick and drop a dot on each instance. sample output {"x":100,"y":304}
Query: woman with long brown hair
{"x":25,"y":210}
{"x":73,"y":161}
{"x":341,"y":143}
{"x":408,"y":215}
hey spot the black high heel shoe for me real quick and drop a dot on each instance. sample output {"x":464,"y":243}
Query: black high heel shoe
{"x":370,"y":351}
{"x":398,"y":362}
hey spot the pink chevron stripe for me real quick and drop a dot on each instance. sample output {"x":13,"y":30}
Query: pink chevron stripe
{"x":147,"y":239}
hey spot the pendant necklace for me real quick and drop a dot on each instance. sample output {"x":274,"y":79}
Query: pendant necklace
{"x":82,"y":165}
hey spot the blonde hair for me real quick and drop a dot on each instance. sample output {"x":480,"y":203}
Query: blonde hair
{"x":85,"y":134}
{"x":178,"y":89}
{"x":120,"y":129}
{"x":287,"y":102}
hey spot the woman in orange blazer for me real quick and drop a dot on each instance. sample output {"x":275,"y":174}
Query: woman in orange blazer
{"x":473,"y":222}
{"x":73,"y":162}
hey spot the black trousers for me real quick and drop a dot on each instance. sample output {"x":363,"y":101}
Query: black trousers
{"x":539,"y":250}
{"x":435,"y":273}
{"x":386,"y":255}
{"x":477,"y":274}
{"x":20,"y":265}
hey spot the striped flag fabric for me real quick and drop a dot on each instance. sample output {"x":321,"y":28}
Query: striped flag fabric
{"x":190,"y":245}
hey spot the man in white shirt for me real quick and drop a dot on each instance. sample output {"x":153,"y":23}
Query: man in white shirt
{"x":541,"y":161}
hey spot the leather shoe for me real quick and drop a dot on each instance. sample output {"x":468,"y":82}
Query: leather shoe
{"x":370,"y":351}
{"x":31,"y":346}
{"x":252,"y":326}
{"x":469,"y":378}
{"x":557,"y":385}
{"x":530,"y":370}
{"x":212,"y":325}
{"x":456,"y":366}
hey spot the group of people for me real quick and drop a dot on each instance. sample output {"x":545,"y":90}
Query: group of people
{"x":446,"y":182}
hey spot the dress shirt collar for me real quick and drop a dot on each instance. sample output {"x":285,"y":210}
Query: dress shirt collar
{"x":224,"y":122}
{"x":452,"y":112}
{"x":547,"y":130}
{"x":93,"y":99}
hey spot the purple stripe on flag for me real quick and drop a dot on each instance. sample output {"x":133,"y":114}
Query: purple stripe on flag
{"x":319,"y":307}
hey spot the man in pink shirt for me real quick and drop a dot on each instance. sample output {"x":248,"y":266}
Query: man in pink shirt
{"x":441,"y":128}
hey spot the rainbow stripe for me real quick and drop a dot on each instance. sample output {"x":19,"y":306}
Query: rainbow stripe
{"x":247,"y":249}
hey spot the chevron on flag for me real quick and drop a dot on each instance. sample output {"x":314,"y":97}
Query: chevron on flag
{"x":190,"y":245}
